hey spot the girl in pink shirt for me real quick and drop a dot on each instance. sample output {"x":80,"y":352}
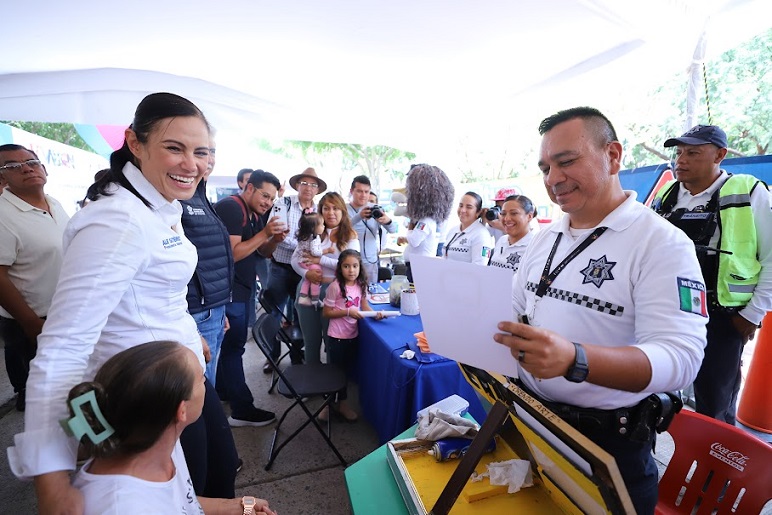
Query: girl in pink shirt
{"x":345,"y":299}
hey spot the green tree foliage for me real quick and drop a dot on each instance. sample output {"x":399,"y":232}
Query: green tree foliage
{"x":376,"y":162}
{"x":739,"y":100}
{"x":61,"y":132}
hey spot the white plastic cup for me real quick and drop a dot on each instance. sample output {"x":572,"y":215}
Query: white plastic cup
{"x":408,"y":302}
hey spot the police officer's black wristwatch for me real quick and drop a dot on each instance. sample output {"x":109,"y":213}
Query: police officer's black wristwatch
{"x":577,"y":372}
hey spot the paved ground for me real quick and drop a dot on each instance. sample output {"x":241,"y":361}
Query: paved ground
{"x":306,"y":478}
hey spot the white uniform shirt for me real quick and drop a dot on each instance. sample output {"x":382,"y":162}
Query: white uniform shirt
{"x":116,"y":494}
{"x":31,"y":246}
{"x":472,"y":245}
{"x":629,"y":287}
{"x":761,"y":205}
{"x":422,"y":240}
{"x":328,"y":262}
{"x":509,"y":256}
{"x":123,"y":282}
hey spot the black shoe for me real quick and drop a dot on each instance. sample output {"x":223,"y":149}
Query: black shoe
{"x":267,"y":368}
{"x":21,"y":400}
{"x":256,"y":418}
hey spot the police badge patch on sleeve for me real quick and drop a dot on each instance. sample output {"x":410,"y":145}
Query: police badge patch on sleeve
{"x":692,"y":296}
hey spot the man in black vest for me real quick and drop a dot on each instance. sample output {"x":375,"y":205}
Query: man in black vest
{"x":729,"y":220}
{"x":251,"y":238}
{"x":209,"y":290}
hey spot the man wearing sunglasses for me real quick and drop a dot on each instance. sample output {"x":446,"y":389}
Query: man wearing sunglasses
{"x":31,"y":228}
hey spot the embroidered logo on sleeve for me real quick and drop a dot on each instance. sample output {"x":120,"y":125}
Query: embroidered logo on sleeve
{"x":486,"y":252}
{"x":174,"y":241}
{"x":691,"y":295}
{"x":421,"y":226}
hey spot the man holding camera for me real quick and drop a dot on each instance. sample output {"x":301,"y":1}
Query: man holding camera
{"x":367,"y":219}
{"x":613,"y":303}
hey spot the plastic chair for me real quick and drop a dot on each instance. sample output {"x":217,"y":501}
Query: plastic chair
{"x":291,"y":335}
{"x":299,"y":382}
{"x":716,"y":468}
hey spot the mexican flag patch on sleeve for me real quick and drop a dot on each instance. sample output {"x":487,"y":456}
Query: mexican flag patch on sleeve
{"x":691,"y":295}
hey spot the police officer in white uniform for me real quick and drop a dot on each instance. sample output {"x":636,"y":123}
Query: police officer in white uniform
{"x":615,"y":299}
{"x":517,"y":211}
{"x":471,"y":242}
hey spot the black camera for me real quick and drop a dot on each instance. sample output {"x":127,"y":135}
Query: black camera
{"x":376,"y":211}
{"x":492,"y":213}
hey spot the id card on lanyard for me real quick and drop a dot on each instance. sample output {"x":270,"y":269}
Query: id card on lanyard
{"x":547,"y":277}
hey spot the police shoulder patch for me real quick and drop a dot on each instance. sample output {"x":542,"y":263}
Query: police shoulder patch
{"x":691,"y":296}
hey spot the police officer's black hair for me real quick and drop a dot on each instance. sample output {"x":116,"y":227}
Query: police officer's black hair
{"x":152,"y":110}
{"x":600,"y":125}
{"x":258,"y":177}
{"x":477,"y":200}
{"x":524,"y":202}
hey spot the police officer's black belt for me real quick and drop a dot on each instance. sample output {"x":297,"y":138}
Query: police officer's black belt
{"x":636,"y":423}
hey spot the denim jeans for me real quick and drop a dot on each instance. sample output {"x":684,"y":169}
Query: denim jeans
{"x":232,"y":381}
{"x":211,"y":325}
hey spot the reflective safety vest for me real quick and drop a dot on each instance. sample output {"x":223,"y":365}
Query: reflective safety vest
{"x":738,"y":263}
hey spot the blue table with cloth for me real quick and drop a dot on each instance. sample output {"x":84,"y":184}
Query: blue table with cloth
{"x":393,"y":389}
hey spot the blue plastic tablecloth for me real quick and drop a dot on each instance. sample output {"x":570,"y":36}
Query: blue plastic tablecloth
{"x":392,"y":389}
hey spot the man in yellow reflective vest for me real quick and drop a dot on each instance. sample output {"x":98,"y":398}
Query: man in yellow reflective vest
{"x":729,"y":219}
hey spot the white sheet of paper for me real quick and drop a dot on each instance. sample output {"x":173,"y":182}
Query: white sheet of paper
{"x":461,"y":306}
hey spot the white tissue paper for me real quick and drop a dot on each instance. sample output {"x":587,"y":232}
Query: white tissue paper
{"x":437,"y":424}
{"x":408,"y":354}
{"x":516,"y":474}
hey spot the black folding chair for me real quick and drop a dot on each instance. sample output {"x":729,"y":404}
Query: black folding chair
{"x":384,"y":274}
{"x":298,"y":382}
{"x":291,"y":335}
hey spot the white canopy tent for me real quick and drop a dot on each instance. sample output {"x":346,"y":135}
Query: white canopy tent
{"x":412,"y":74}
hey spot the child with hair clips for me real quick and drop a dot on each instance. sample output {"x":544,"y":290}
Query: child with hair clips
{"x":309,"y":235}
{"x":128,"y":421}
{"x":346,"y":298}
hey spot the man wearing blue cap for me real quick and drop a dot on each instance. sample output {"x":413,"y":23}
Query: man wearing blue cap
{"x":729,"y":219}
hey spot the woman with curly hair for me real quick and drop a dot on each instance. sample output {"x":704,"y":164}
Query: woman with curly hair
{"x":340,"y":236}
{"x":429,"y":201}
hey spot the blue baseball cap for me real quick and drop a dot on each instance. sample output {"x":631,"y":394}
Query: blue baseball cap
{"x":700,"y":135}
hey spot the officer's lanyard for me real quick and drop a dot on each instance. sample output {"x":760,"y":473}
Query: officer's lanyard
{"x":547,"y":277}
{"x":455,"y":236}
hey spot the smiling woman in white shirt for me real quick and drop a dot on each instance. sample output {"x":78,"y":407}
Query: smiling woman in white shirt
{"x":470,"y":242}
{"x":123,"y":282}
{"x":516,"y":215}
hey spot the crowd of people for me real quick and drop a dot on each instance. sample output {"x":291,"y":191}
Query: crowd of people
{"x":145,"y":297}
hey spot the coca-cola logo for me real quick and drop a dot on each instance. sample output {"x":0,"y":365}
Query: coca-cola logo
{"x":735,"y":459}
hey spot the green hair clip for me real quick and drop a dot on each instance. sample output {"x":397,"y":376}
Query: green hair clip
{"x":78,"y":425}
